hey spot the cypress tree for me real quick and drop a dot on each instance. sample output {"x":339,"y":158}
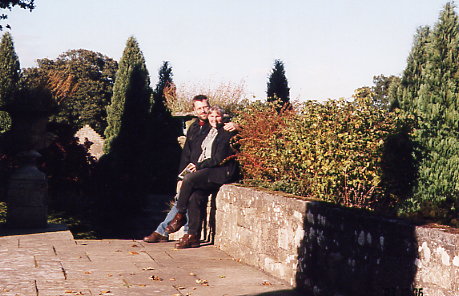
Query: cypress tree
{"x":122,"y":172}
{"x":159,"y":101}
{"x":436,"y":109}
{"x":127,"y":113}
{"x":277,"y":84}
{"x":162,"y":138}
{"x":9,"y":78}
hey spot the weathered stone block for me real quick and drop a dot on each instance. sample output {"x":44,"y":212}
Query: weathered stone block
{"x":27,"y":198}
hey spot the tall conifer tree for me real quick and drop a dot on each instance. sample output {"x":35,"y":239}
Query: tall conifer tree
{"x":9,"y":77}
{"x":128,"y":111}
{"x":412,"y":75}
{"x":122,"y":171}
{"x":162,"y":138}
{"x":278,"y":84}
{"x":159,"y":101}
{"x":436,"y":109}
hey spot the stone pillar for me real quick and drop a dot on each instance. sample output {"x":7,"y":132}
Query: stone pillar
{"x":27,"y":194}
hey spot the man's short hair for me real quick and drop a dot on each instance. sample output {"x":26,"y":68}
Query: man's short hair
{"x":200,"y":98}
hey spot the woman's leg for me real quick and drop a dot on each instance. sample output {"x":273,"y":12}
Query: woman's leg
{"x":198,"y":180}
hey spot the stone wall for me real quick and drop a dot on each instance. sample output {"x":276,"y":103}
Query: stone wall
{"x":324,"y":249}
{"x":89,"y":134}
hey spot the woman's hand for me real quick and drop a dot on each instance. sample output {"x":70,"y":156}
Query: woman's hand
{"x":179,"y":184}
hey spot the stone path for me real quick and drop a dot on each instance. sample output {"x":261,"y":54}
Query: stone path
{"x":53,"y":263}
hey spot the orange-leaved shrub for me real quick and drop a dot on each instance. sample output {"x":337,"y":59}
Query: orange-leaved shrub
{"x":330,"y":150}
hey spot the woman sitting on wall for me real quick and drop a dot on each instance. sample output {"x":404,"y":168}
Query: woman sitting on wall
{"x":216,"y":166}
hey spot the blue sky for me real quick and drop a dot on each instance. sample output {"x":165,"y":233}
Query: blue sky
{"x":329,"y":48}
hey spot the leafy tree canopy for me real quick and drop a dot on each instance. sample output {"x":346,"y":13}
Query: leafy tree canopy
{"x":382,"y":88}
{"x":9,"y":4}
{"x":81,"y":82}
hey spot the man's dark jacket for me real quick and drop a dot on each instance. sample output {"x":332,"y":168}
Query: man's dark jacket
{"x":192,"y":148}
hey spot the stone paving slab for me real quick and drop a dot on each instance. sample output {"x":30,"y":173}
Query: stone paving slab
{"x":53,"y":263}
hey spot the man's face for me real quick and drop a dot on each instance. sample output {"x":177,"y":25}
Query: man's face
{"x":201,"y":109}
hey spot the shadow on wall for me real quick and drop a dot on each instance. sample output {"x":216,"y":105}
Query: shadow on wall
{"x":350,"y":252}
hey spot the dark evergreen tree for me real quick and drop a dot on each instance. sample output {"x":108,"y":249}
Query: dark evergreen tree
{"x":122,"y":173}
{"x":278,"y":84}
{"x":159,"y":101}
{"x":436,"y":109}
{"x":9,"y":78}
{"x":162,"y":138}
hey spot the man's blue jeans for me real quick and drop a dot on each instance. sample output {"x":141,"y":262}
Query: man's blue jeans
{"x":162,"y":226}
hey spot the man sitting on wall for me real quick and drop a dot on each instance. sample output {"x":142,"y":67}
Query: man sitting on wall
{"x":196,"y":133}
{"x":215,"y":166}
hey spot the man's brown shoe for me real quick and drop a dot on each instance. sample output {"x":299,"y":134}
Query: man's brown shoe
{"x":188,"y":241}
{"x":156,"y":238}
{"x":176,"y":223}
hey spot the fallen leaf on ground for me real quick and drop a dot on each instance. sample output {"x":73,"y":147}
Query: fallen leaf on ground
{"x":192,"y":274}
{"x":155,"y":278}
{"x":134,"y":246}
{"x":148,"y":268}
{"x":104,"y":292}
{"x":202,"y":282}
{"x":222,"y":276}
{"x":68,"y":291}
{"x":266,"y":283}
{"x":141,"y":285}
{"x":172,"y":279}
{"x":87,"y":272}
{"x":133,"y":253}
{"x":181,"y":288}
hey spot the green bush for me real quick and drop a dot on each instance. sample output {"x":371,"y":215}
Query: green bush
{"x":331,"y":150}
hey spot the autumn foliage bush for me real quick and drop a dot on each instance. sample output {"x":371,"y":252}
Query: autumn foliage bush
{"x":331,"y":151}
